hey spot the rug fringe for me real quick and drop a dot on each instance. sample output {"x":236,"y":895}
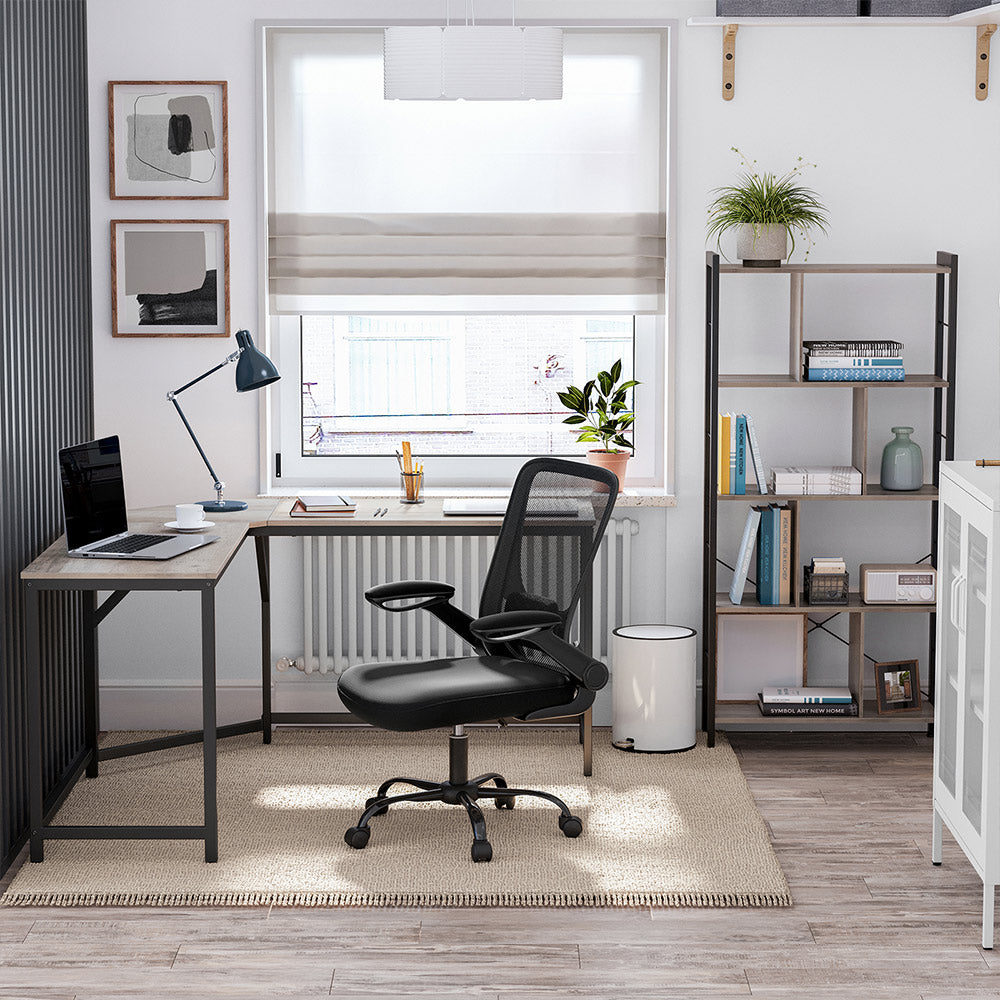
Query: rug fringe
{"x":338,"y":899}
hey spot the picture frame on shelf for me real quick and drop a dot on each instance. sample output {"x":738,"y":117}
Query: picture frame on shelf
{"x":168,"y":139}
{"x":170,"y":278}
{"x":897,"y":686}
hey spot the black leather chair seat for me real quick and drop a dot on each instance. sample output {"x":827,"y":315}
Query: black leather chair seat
{"x":407,"y":697}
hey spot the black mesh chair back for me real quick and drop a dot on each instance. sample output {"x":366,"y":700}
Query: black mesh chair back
{"x":555,"y":521}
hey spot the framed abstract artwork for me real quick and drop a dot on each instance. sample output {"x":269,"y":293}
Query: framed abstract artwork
{"x":170,"y":278}
{"x":168,"y":139}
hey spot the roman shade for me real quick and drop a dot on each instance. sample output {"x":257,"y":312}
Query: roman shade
{"x":465,"y":206}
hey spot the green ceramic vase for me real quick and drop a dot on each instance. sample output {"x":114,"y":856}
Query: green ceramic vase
{"x":902,"y":462}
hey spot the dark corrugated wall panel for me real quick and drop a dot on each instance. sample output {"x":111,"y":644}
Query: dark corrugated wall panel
{"x":46,"y":382}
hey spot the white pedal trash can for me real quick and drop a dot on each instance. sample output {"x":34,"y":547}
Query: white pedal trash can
{"x":653,"y":688}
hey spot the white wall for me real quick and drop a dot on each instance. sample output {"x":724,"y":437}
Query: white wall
{"x":907,"y":164}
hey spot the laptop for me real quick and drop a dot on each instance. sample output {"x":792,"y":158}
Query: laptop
{"x":93,"y":489}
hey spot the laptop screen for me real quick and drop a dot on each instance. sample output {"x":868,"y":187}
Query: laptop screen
{"x":93,"y":491}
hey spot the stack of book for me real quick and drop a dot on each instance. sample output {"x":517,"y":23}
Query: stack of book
{"x":831,"y":480}
{"x":739,"y":455}
{"x":853,"y":361}
{"x":323,"y":506}
{"x":770,"y":528}
{"x":806,"y":701}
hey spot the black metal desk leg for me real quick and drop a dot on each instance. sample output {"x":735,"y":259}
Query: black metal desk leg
{"x":264,"y":577}
{"x":586,"y":632}
{"x":33,"y":682}
{"x":91,"y":712}
{"x":209,"y":748}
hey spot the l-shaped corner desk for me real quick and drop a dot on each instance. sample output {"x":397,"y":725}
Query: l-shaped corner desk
{"x":199,"y":570}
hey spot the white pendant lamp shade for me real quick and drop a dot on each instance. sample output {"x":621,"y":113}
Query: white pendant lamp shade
{"x":473,"y":62}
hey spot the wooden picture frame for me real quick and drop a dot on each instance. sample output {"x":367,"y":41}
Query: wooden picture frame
{"x":168,"y":139}
{"x":897,"y":687}
{"x":170,"y":278}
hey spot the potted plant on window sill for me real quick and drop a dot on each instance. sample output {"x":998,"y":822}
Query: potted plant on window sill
{"x":600,"y":413}
{"x":765,"y":211}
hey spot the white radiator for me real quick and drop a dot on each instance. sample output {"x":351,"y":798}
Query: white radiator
{"x":340,"y":628}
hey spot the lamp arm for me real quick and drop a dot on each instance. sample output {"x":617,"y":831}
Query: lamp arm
{"x":232,"y":357}
{"x":219,"y":486}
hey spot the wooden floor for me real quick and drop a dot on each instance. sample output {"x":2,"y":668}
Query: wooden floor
{"x":850,"y":819}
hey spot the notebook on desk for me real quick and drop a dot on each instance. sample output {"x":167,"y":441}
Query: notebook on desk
{"x":93,"y":489}
{"x":497,"y":507}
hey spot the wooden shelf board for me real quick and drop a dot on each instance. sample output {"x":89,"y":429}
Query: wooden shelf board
{"x":839,"y":268}
{"x":969,"y":18}
{"x":926,"y":492}
{"x":747,"y":716}
{"x":740,"y":381}
{"x":724,"y":606}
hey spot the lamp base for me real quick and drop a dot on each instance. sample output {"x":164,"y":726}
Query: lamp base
{"x":225,"y":507}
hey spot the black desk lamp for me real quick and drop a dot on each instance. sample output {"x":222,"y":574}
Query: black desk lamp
{"x":253,"y":371}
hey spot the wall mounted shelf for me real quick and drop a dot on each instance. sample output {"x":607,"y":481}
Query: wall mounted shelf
{"x":983,"y":19}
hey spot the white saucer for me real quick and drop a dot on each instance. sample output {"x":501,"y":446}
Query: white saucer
{"x":201,"y":526}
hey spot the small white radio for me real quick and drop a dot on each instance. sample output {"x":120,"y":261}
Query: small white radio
{"x":891,"y":583}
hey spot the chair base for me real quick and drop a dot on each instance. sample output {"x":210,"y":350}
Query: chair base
{"x":458,"y":790}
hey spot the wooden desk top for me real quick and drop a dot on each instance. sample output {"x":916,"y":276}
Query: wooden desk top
{"x":428,"y":514}
{"x":208,"y":563}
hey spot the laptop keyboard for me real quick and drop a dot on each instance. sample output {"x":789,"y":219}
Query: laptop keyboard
{"x":131,"y":543}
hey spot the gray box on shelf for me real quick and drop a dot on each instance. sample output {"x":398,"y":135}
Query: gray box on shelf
{"x":923,"y":8}
{"x":786,"y":8}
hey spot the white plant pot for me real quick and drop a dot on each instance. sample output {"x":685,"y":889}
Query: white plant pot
{"x":761,"y":246}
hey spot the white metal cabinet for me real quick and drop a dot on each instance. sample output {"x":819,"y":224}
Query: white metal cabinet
{"x":967,"y":681}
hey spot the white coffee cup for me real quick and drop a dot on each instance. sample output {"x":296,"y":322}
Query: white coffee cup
{"x":189,"y":515}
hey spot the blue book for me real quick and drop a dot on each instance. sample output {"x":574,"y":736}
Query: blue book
{"x":854,"y":362}
{"x":895,"y":374}
{"x":775,"y":554}
{"x":740,"y":484}
{"x":766,"y":539}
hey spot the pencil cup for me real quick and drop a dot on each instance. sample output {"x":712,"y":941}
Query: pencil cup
{"x":412,"y":484}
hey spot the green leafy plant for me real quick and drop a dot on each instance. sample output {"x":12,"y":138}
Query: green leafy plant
{"x":765,"y":199}
{"x":601,"y":402}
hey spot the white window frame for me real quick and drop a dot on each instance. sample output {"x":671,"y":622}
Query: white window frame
{"x":280,"y":414}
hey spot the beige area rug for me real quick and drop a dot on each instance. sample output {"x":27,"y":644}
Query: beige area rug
{"x":663,"y":830}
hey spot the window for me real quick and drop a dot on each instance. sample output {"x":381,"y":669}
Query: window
{"x":439,"y":270}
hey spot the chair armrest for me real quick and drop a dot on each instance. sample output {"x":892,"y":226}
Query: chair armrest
{"x":420,"y":594}
{"x":509,"y":625}
{"x":583,"y":668}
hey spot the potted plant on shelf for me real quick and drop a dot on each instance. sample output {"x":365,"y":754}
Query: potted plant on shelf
{"x":600,"y":413}
{"x":766,"y":211}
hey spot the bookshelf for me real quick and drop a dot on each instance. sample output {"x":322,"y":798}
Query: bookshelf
{"x":793,"y":391}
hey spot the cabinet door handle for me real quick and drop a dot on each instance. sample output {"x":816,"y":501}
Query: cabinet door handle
{"x":964,"y":603}
{"x":953,"y":601}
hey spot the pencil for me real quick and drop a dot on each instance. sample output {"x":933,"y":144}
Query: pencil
{"x":987,"y":461}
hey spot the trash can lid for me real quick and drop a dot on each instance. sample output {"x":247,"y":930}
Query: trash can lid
{"x":654,"y":632}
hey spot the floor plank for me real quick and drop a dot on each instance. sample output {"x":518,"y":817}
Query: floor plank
{"x":850,"y":818}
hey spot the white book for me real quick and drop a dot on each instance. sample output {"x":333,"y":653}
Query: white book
{"x":807,"y":695}
{"x":732,"y":452}
{"x":745,"y":554}
{"x":758,"y":462}
{"x":837,"y":479}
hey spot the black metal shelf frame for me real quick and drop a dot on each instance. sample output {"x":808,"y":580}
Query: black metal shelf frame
{"x":945,"y":273}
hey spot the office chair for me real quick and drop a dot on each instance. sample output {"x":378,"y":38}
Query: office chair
{"x":525,"y":667}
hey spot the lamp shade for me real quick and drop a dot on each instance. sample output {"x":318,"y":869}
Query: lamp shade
{"x":473,"y":62}
{"x":253,"y":370}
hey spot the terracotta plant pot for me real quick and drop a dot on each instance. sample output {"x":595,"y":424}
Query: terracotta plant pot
{"x":614,"y":461}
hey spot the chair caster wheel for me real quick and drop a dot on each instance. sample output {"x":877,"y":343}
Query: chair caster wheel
{"x":571,"y":826}
{"x":507,"y":803}
{"x":381,"y":811}
{"x":481,"y":850}
{"x":357,"y":837}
